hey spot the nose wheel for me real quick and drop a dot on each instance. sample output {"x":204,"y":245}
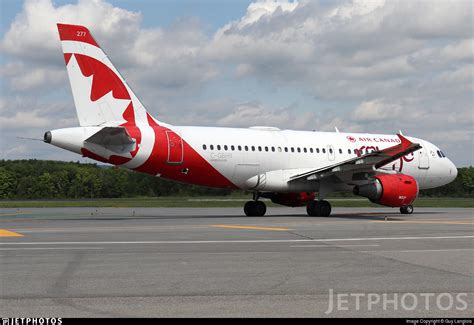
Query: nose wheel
{"x":320,"y":208}
{"x":255,"y":209}
{"x":408,"y":209}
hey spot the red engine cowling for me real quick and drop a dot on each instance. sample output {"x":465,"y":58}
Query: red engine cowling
{"x":390,"y":190}
{"x":292,"y":199}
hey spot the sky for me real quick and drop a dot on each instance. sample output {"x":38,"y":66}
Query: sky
{"x":361,"y":66}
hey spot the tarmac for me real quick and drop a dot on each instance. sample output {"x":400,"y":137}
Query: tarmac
{"x":215,"y":262}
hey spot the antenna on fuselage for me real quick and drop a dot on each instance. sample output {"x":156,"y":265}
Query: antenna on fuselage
{"x":337,"y":130}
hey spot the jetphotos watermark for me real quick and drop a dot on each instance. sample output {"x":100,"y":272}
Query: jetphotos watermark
{"x":396,"y":301}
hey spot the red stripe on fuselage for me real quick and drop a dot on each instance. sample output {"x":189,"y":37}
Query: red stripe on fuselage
{"x":193,"y":170}
{"x":90,"y":154}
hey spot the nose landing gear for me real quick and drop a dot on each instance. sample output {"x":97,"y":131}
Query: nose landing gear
{"x":408,"y":209}
{"x":255,"y":209}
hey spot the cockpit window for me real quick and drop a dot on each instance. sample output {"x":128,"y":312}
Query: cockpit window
{"x":439,"y":154}
{"x":442,"y":154}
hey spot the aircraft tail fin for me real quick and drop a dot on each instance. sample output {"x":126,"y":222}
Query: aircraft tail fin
{"x":101,"y":95}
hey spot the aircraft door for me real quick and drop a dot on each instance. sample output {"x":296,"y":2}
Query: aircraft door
{"x":424,"y":159}
{"x":175,"y":148}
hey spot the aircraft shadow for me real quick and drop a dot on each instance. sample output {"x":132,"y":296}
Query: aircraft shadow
{"x":352,"y":216}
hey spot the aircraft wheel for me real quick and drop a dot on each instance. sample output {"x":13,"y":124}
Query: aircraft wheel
{"x":249,"y":208}
{"x":260,"y":209}
{"x":406,"y":209}
{"x":325,"y":208}
{"x":318,"y":208}
{"x":313,"y":209}
{"x":255,"y":209}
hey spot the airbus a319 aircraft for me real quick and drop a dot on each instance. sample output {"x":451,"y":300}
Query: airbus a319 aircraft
{"x":288,"y":167}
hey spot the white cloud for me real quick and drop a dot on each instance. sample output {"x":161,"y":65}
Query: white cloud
{"x":167,"y":58}
{"x":462,"y":50}
{"x":260,"y":10}
{"x":254,"y":114}
{"x":23,"y":115}
{"x":376,"y":110}
{"x":23,"y":77}
{"x":337,"y":49}
{"x":24,"y":120}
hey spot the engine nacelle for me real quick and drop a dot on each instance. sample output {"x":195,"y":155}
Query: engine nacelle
{"x":291,"y":199}
{"x":390,"y":190}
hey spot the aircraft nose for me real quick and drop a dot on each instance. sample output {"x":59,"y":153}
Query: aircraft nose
{"x":453,"y":171}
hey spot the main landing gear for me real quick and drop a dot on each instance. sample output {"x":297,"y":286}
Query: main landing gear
{"x":319,"y":208}
{"x":408,"y":209}
{"x":255,"y":208}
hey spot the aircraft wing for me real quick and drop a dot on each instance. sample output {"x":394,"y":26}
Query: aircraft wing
{"x":365,"y":163}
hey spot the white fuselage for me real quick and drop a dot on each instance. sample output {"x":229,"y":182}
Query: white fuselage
{"x":240,"y":154}
{"x":264,"y":158}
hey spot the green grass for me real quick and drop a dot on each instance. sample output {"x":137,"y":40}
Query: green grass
{"x":230,"y":201}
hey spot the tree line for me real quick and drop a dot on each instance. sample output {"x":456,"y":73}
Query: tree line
{"x":43,"y":179}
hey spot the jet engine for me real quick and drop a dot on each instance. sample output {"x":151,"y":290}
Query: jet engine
{"x":390,"y":190}
{"x":290,"y":199}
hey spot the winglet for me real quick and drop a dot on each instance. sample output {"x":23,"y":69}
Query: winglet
{"x":405,"y":143}
{"x":403,"y":148}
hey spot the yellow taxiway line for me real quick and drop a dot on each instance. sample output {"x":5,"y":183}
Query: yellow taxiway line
{"x":249,"y":227}
{"x":7,"y":233}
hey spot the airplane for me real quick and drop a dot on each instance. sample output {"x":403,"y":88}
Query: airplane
{"x":288,"y":167}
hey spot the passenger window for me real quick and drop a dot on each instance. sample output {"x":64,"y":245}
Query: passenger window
{"x":298,"y":149}
{"x":266,"y":148}
{"x":286,"y":149}
{"x":279,"y":149}
{"x":311,"y":150}
{"x":349,"y":151}
{"x":323,"y":150}
{"x":239,"y":148}
{"x":317,"y":150}
{"x":246,"y":148}
{"x":218,"y":147}
{"x":253,"y":148}
{"x":304,"y":149}
{"x":292,"y":149}
{"x":232,"y":148}
{"x":204,"y":146}
{"x":225,"y":147}
{"x":330,"y":150}
{"x":259,"y":148}
{"x":212,"y":147}
{"x":340,"y":151}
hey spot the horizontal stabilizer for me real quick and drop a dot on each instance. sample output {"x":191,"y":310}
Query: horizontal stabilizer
{"x":115,"y":139}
